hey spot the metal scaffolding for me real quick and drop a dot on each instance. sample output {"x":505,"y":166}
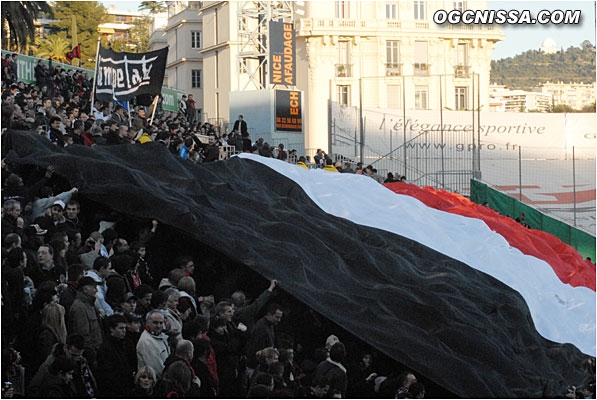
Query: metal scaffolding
{"x":253,"y":30}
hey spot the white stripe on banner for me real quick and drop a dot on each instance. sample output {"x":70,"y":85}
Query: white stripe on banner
{"x":561,"y":313}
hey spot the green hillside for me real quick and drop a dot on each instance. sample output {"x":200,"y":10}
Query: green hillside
{"x":529,"y":69}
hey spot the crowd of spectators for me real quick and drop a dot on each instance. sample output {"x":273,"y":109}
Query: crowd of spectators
{"x":87,"y":314}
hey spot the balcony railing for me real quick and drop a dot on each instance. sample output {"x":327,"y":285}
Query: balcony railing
{"x":393,"y":69}
{"x":343,"y":70}
{"x":462,"y":71}
{"x":422,"y":69}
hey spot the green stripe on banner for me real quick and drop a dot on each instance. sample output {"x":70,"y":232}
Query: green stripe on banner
{"x":583,"y":242}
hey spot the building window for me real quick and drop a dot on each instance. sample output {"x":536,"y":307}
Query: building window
{"x":342,"y":9}
{"x":393,"y":96}
{"x":421,"y":97}
{"x":462,"y":54}
{"x":125,"y":35}
{"x":460,"y":5}
{"x":196,"y":78}
{"x":195,"y":39}
{"x":391,"y":10}
{"x":461,"y":98}
{"x":343,"y":65}
{"x":419,"y":10}
{"x":195,"y":4}
{"x":243,"y":66}
{"x":120,"y":19}
{"x":344,"y":95}
{"x":421,"y":63}
{"x":392,"y":58}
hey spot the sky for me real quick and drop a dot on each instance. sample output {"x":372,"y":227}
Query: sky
{"x":519,"y":38}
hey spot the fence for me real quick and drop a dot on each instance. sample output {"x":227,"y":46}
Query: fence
{"x":557,"y":179}
{"x":584,"y":243}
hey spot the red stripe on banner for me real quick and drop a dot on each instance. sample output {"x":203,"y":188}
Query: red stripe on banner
{"x":566,"y":262}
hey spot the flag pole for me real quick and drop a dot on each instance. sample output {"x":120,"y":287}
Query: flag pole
{"x":155,"y":105}
{"x":128,"y":108}
{"x":92,"y":98}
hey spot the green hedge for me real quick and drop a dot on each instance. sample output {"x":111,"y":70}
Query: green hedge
{"x":583,"y":242}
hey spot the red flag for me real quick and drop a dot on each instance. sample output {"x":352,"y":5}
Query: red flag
{"x":74,"y":53}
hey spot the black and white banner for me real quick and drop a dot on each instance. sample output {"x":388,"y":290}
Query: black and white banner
{"x":122,"y":76}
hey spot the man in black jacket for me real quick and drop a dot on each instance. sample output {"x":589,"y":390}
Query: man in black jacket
{"x":240,"y":126}
{"x":263,"y":334}
{"x":115,"y":373}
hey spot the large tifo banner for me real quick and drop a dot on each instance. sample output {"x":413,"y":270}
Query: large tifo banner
{"x":282,"y":53}
{"x":125,"y":75}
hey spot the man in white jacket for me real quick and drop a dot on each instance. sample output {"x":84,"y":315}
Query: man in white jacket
{"x":152,"y":347}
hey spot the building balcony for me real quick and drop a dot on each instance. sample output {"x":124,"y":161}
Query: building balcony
{"x":343,"y":70}
{"x":366,"y":27}
{"x":422,"y":69}
{"x":393,"y":69}
{"x":462,"y":71}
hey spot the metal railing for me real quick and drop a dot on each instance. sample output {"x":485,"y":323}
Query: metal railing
{"x":422,"y":69}
{"x":462,"y":71}
{"x":343,"y":70}
{"x":393,"y":69}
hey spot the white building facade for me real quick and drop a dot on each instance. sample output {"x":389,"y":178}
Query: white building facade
{"x":393,"y":48}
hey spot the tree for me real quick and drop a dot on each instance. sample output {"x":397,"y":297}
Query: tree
{"x":141,"y":32}
{"x":54,"y":46}
{"x":18,"y":28}
{"x":88,"y":14}
{"x":154,"y":7}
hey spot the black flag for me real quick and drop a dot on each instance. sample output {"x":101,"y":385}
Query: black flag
{"x":126,"y":75}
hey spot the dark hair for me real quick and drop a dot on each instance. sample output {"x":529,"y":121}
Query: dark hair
{"x":158,"y":298}
{"x":202,"y":348}
{"x":109,"y":235}
{"x":190,"y":329}
{"x":415,"y":390}
{"x":115,"y":319}
{"x":136,"y":245}
{"x":320,"y":381}
{"x":119,"y":107}
{"x":182,"y":261}
{"x":338,"y":352}
{"x":258,"y":392}
{"x":272,"y":308}
{"x":78,"y":124}
{"x":264,"y":379}
{"x":75,"y":272}
{"x":180,"y":376}
{"x":100,"y":262}
{"x":54,"y":119}
{"x":15,"y":257}
{"x":50,"y":248}
{"x":216,"y":322}
{"x":75,"y":340}
{"x":122,"y":263}
{"x":203,"y":322}
{"x":142,"y":290}
{"x":61,"y":364}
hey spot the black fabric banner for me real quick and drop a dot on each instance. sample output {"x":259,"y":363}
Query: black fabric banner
{"x":122,"y":76}
{"x":457,"y":326}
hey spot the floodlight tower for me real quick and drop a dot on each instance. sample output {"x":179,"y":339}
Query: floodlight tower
{"x":253,"y":30}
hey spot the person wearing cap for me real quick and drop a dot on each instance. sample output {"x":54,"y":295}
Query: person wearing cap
{"x":41,"y":205}
{"x":84,"y":319}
